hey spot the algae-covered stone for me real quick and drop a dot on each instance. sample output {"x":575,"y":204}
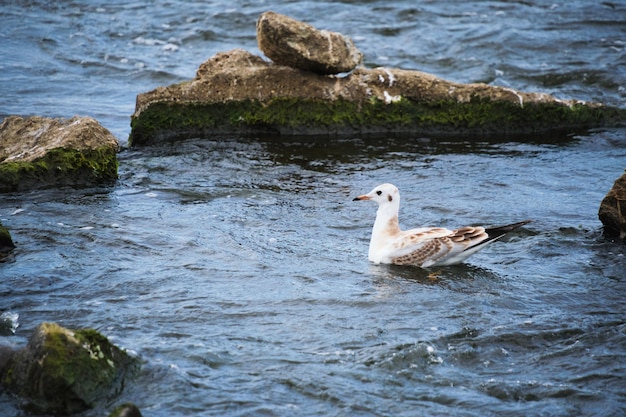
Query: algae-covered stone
{"x":612,"y":211}
{"x":238,"y":92}
{"x":62,"y":371}
{"x":38,"y":152}
{"x":6,"y":243}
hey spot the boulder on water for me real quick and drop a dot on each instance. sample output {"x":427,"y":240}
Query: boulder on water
{"x":612,"y":211}
{"x":62,"y":371}
{"x":238,"y":92}
{"x":37,"y":152}
{"x":293,"y":43}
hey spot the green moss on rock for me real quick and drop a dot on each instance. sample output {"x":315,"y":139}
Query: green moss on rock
{"x":174,"y":120}
{"x":61,"y":166}
{"x":63,"y":372}
{"x":6,"y":243}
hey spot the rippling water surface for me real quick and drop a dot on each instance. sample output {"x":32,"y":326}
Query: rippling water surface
{"x":236,"y":268}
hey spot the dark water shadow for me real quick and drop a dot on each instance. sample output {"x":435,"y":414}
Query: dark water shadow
{"x":461,"y":277}
{"x":334,"y":149}
{"x":608,"y":258}
{"x":355,"y":149}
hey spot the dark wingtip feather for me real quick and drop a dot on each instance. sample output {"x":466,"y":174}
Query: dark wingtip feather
{"x":496,"y":232}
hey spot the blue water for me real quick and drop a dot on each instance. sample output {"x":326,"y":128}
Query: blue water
{"x":236,"y":268}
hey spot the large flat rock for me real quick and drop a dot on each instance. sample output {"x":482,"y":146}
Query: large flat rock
{"x":238,"y":92}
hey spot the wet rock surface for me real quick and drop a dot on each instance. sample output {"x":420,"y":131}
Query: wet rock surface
{"x":612,"y":211}
{"x":62,"y":371}
{"x":238,"y":92}
{"x":6,"y":242}
{"x":37,"y":152}
{"x":293,"y":43}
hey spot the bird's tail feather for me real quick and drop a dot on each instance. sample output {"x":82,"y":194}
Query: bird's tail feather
{"x":498,"y":232}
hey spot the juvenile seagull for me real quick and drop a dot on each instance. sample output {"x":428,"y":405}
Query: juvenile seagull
{"x":426,"y":246}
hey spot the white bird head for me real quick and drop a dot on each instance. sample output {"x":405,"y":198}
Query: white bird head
{"x":384,"y":194}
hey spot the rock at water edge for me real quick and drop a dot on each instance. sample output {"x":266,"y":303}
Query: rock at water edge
{"x":612,"y":211}
{"x":6,"y":243}
{"x":38,"y":152}
{"x":61,"y":371}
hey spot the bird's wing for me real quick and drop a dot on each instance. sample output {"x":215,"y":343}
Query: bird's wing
{"x":429,"y":246}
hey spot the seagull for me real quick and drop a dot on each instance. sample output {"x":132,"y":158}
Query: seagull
{"x":426,"y":246}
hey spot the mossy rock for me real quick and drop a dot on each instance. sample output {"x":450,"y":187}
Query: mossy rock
{"x":63,"y":372}
{"x":240,"y":93}
{"x":6,"y":243}
{"x":167,"y":120}
{"x":61,"y":167}
{"x":38,"y":152}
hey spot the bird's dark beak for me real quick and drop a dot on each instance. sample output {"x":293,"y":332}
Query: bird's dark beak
{"x":361,"y":197}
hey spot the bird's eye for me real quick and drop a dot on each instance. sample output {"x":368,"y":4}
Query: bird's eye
{"x":379,"y":192}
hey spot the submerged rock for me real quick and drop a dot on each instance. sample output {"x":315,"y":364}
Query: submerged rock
{"x":38,"y":152}
{"x":126,"y":410}
{"x":62,"y":371}
{"x":6,"y":243}
{"x":612,"y":211}
{"x":238,"y":92}
{"x":293,"y":43}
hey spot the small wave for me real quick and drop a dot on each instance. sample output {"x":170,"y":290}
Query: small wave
{"x":519,"y":390}
{"x":9,"y":323}
{"x":417,"y":355}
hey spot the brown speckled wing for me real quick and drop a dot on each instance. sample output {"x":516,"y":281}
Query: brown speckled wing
{"x":469,"y":235}
{"x":430,"y":246}
{"x":428,"y":249}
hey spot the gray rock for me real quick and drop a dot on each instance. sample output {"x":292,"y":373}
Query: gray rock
{"x":290,"y":42}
